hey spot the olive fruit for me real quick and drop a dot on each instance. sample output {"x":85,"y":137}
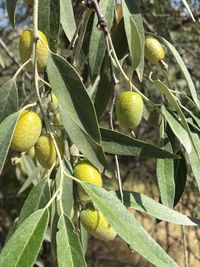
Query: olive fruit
{"x":29,"y":2}
{"x":27,"y":131}
{"x":31,"y":152}
{"x":26,"y":49}
{"x":45,"y":150}
{"x":129,"y":109}
{"x":87,"y":172}
{"x":154,"y":51}
{"x":53,"y":103}
{"x":57,"y":119}
{"x":95,"y":223}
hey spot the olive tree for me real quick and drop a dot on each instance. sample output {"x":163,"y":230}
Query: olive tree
{"x":75,"y":56}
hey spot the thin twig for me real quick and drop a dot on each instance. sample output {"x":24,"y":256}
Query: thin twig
{"x":102,"y":24}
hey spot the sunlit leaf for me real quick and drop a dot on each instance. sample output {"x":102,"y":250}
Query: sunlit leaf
{"x":23,"y":247}
{"x":69,"y":250}
{"x":127,"y":227}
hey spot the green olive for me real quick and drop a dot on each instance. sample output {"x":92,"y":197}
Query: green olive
{"x":95,"y":223}
{"x":154,"y":51}
{"x":129,"y":109}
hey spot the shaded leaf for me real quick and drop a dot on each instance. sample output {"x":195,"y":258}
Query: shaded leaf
{"x":11,"y":7}
{"x":120,"y":41}
{"x":23,"y":247}
{"x":120,"y":144}
{"x":180,"y":177}
{"x":49,"y":21}
{"x":103,"y":95}
{"x":8,"y":99}
{"x":69,"y":249}
{"x":127,"y":227}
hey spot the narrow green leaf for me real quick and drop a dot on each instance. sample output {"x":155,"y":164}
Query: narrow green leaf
{"x":194,"y":159}
{"x":67,"y":18}
{"x":8,"y":99}
{"x":2,"y":63}
{"x":188,"y":9}
{"x":151,"y":207}
{"x":97,"y":46}
{"x":7,"y":127}
{"x":135,"y":34}
{"x":84,"y":239}
{"x":37,"y":199}
{"x":120,"y":40}
{"x":181,"y":134}
{"x":69,"y":251}
{"x":49,"y":21}
{"x":178,"y":129}
{"x":11,"y":7}
{"x":165,"y":176}
{"x":23,"y":247}
{"x":180,"y":177}
{"x":76,"y":109}
{"x":183,"y":69}
{"x":127,"y":227}
{"x":103,"y":95}
{"x":136,"y":48}
{"x":32,"y":178}
{"x":120,"y":144}
{"x":174,"y":103}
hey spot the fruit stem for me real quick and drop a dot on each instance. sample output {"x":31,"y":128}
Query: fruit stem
{"x":21,"y":68}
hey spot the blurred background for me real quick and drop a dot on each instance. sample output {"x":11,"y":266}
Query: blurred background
{"x":165,"y":18}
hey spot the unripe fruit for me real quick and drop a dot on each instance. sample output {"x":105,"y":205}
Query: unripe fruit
{"x":26,"y":49}
{"x":87,"y":172}
{"x":129,"y":109}
{"x":95,"y":223}
{"x":31,"y":153}
{"x":27,"y":131}
{"x":53,"y":103}
{"x":29,"y":2}
{"x":45,"y":150}
{"x":153,"y":50}
{"x":57,"y":119}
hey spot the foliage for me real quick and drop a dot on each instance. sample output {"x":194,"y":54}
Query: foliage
{"x":93,"y":50}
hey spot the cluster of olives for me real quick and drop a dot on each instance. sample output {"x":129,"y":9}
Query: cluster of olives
{"x":28,"y":136}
